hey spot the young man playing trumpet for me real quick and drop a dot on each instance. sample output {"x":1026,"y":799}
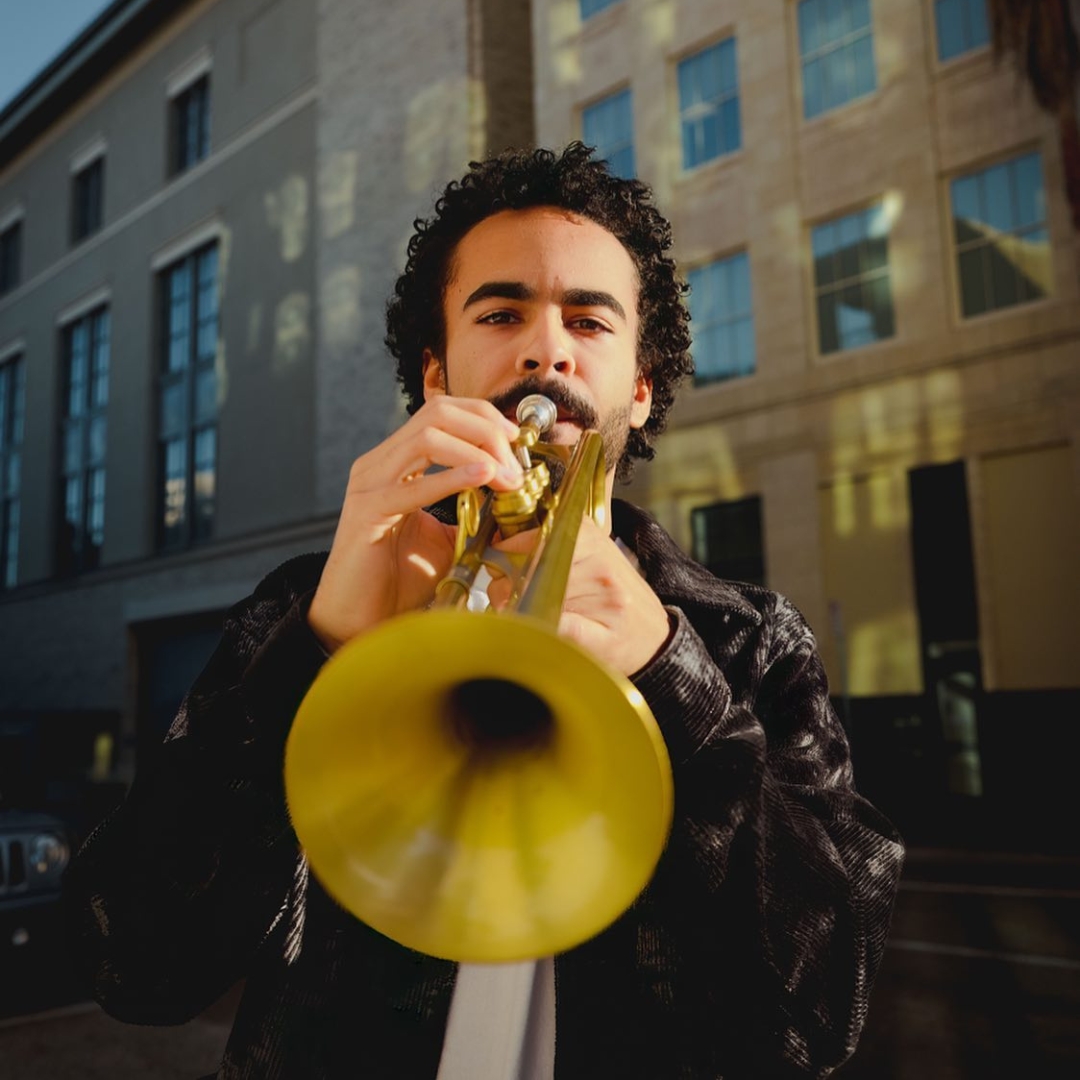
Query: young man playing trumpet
{"x":751,"y":952}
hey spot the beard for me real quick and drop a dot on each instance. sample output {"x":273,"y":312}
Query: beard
{"x":614,"y":429}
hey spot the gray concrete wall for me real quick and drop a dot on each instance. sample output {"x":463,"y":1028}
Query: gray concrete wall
{"x":257,"y":186}
{"x":67,"y":644}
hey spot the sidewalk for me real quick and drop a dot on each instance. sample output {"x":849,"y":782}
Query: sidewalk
{"x":80,"y":1042}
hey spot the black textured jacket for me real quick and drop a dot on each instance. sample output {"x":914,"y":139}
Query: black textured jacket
{"x":751,"y":953}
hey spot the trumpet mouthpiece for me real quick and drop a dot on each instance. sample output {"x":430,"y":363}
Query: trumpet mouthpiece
{"x":538,"y":411}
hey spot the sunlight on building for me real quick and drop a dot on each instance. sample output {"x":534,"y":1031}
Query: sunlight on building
{"x":702,"y":459}
{"x":292,"y":331}
{"x":944,"y":408}
{"x":287,"y":214}
{"x":566,"y":60}
{"x":890,"y":54}
{"x":564,"y":22}
{"x":883,"y":655}
{"x":846,"y":427}
{"x":844,"y":512}
{"x":658,"y":23}
{"x":868,"y":577}
{"x":892,"y":206}
{"x":891,"y":418}
{"x":889,"y":500}
{"x":787,"y":227}
{"x":444,"y":129}
{"x":337,"y":192}
{"x":341,"y":319}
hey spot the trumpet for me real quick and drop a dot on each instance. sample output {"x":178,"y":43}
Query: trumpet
{"x":470,"y":784}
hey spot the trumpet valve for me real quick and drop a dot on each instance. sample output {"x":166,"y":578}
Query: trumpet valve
{"x":517,"y":510}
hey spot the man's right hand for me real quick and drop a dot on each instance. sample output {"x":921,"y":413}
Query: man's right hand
{"x":388,"y":553}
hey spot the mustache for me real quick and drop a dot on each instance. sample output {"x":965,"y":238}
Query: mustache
{"x":569,"y":404}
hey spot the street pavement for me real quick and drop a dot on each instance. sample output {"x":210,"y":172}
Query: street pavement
{"x":981,"y":981}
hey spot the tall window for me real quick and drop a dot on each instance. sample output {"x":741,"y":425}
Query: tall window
{"x":962,"y":25}
{"x":87,"y":196}
{"x":836,"y":46}
{"x":609,"y":126}
{"x":999,"y":227}
{"x":589,"y":8}
{"x":12,"y":422}
{"x":187,"y":452}
{"x":709,"y":104}
{"x":191,"y":125}
{"x":10,"y":257}
{"x":722,"y":319}
{"x":82,"y":480}
{"x":728,"y":539}
{"x":851,"y":280}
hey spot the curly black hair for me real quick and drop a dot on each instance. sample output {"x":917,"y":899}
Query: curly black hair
{"x":574,"y":181}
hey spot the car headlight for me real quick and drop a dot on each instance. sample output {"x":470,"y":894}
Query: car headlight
{"x":48,"y":853}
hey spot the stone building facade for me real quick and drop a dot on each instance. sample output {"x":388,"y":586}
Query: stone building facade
{"x":891,"y":435}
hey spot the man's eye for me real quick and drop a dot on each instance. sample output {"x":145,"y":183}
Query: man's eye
{"x":497,"y":318}
{"x":586,"y":322}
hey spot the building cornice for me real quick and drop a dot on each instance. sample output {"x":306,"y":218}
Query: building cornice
{"x":116,"y":33}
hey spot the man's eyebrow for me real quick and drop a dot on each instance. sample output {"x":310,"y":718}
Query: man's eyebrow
{"x":593,"y":298}
{"x":499,"y":290}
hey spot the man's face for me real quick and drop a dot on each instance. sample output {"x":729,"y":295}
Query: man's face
{"x":542,"y":300}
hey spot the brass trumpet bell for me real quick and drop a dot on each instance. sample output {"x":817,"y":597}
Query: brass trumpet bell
{"x":472,"y":785}
{"x":499,"y":797}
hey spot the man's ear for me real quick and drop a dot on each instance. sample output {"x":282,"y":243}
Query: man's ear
{"x":641,"y":403}
{"x":434,"y":376}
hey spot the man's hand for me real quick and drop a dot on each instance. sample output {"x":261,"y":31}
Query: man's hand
{"x":388,"y":554}
{"x":609,"y":608}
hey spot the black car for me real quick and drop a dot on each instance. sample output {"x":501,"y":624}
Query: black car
{"x":34,"y":849}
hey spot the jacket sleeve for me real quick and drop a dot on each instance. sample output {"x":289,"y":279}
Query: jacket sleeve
{"x":783,"y":875}
{"x":171,"y":895}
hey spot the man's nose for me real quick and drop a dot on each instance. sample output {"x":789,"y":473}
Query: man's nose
{"x":548,"y":351}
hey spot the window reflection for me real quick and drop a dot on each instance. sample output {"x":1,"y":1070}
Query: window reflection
{"x":188,"y":400}
{"x":999,"y":228}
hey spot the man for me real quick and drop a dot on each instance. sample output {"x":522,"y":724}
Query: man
{"x":752,"y":951}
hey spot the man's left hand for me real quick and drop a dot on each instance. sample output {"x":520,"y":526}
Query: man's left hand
{"x":609,"y":608}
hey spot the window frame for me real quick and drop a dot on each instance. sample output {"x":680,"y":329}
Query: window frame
{"x":822,"y":50}
{"x":717,"y":106}
{"x":187,"y":378}
{"x":179,"y":132}
{"x":978,"y":169}
{"x":82,"y":229}
{"x":627,"y":91}
{"x":697,"y":513}
{"x":968,"y":52}
{"x":11,"y":237}
{"x":733,"y":376}
{"x":839,"y":284}
{"x":80,"y":556}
